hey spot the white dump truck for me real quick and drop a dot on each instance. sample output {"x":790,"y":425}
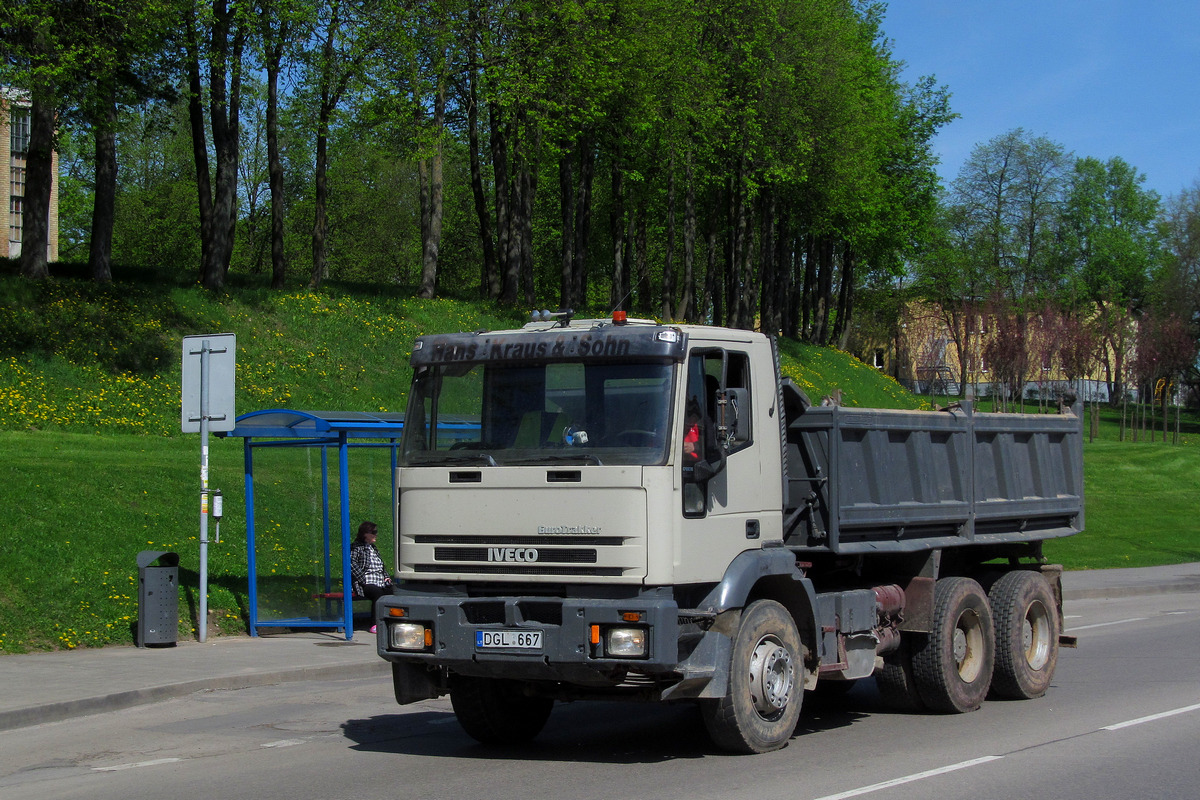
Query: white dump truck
{"x":626,"y":510}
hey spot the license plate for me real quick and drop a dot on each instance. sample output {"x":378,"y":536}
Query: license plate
{"x":508,"y":640}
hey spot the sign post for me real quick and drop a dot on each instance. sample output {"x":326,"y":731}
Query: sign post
{"x":208,"y":383}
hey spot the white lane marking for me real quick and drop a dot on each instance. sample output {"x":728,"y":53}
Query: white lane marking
{"x":283,"y":743}
{"x":932,"y":773}
{"x":1072,"y":616}
{"x":1151,"y":718}
{"x":118,"y":767}
{"x":1106,"y":624}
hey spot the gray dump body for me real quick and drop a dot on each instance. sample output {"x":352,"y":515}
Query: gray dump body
{"x":869,"y":481}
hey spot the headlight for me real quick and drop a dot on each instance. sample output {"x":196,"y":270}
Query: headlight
{"x":408,"y":636}
{"x":625,"y":642}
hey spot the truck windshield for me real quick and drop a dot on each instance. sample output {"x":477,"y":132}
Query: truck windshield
{"x":540,"y":413}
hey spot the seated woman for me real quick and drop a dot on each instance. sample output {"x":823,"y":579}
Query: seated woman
{"x":368,"y":576}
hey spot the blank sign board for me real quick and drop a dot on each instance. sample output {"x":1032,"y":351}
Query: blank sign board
{"x":218,"y":374}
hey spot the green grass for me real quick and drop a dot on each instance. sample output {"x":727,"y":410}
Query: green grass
{"x":94,"y":468}
{"x":1141,"y":503}
{"x":823,"y":371}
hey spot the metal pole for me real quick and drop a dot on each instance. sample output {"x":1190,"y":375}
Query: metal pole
{"x":203,"y":620}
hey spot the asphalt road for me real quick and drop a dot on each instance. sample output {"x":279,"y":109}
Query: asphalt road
{"x":1122,"y":720}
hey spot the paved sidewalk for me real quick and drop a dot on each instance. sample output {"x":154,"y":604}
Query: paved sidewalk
{"x":47,"y":687}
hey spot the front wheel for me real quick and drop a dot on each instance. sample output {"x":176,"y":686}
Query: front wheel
{"x":766,"y":683}
{"x":1027,"y":631}
{"x":495,"y":711}
{"x":952,"y":667}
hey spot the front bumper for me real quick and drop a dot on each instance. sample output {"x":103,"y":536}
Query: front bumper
{"x":681,"y":658}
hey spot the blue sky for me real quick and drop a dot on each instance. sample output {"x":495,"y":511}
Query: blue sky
{"x":1102,"y":78}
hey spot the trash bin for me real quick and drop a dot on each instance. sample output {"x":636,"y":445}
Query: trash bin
{"x":158,"y":597}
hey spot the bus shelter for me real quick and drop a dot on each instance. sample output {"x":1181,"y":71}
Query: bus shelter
{"x":310,"y":478}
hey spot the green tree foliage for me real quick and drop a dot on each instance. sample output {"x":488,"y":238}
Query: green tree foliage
{"x":746,"y":162}
{"x":1028,"y":228}
{"x":1177,"y":284}
{"x":1108,"y":245}
{"x":1009,"y":190}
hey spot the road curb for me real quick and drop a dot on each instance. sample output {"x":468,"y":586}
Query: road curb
{"x":1113,"y":592}
{"x":116,"y":701}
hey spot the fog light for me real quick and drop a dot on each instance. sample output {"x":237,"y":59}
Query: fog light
{"x":406,"y":636}
{"x":625,"y":642}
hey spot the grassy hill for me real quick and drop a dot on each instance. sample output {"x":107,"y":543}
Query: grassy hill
{"x":95,"y":469}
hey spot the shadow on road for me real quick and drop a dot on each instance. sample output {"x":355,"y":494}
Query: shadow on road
{"x":592,"y":732}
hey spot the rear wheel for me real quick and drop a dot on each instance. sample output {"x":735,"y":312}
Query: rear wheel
{"x":766,"y":683}
{"x":495,"y":711}
{"x":1027,"y":630}
{"x":953,"y":667}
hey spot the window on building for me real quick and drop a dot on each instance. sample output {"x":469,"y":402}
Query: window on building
{"x":15,"y":225}
{"x":20,"y":131}
{"x":19,"y":124}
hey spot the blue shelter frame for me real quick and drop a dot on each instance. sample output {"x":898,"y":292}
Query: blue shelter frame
{"x":340,"y":431}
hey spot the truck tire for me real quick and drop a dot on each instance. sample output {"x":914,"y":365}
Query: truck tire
{"x":766,"y":683}
{"x":952,"y":668}
{"x":495,"y":711}
{"x":1027,"y":630}
{"x":895,"y":681}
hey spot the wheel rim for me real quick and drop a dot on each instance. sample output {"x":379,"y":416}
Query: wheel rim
{"x":1035,"y":635}
{"x":772,"y":677}
{"x":968,"y":646}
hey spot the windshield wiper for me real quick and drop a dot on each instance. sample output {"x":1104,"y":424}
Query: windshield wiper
{"x":462,"y":457}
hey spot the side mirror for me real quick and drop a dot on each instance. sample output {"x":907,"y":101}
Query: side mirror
{"x":703,"y":470}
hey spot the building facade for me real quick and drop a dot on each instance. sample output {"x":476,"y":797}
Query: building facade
{"x":14,"y":147}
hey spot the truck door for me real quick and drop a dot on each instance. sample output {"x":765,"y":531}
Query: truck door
{"x":721,"y":511}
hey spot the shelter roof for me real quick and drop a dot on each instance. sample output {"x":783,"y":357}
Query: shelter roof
{"x":284,"y":423}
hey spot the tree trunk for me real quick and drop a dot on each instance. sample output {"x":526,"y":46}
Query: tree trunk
{"x":713,"y":281}
{"x":841,"y":327}
{"x":433,"y":234}
{"x":641,"y":269}
{"x":501,"y":182}
{"x":768,"y":293}
{"x":824,"y":290}
{"x":223,"y":118}
{"x":734,"y":290}
{"x":686,"y":309}
{"x":275,"y":165}
{"x":321,"y":189}
{"x":199,"y":143}
{"x":103,"y":204}
{"x":566,"y":204}
{"x":668,"y":280}
{"x":809,"y":286}
{"x":510,"y":291}
{"x":616,"y":229}
{"x":487,"y":244}
{"x":39,"y":177}
{"x":795,"y":286}
{"x":583,"y":216}
{"x":528,"y":193}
